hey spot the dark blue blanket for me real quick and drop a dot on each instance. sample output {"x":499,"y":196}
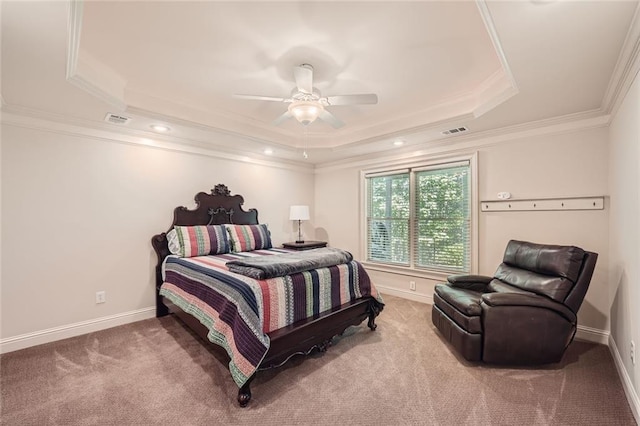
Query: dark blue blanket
{"x":279,"y":265}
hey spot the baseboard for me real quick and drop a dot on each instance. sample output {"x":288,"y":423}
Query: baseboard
{"x":411,"y":295}
{"x":587,"y":334}
{"x":23,"y":341}
{"x":592,"y":335}
{"x":627,"y":384}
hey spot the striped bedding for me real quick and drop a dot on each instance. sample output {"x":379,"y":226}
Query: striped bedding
{"x":239,"y":311}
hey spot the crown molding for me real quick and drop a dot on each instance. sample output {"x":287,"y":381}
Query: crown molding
{"x":449,"y":145}
{"x":55,"y":123}
{"x":87,"y":73}
{"x":99,"y":80}
{"x":432,"y":127}
{"x":74,"y":29}
{"x":502,"y":85}
{"x":212,"y":130}
{"x":494,"y":91}
{"x":214,"y":120}
{"x":495,"y":39}
{"x":626,"y":68}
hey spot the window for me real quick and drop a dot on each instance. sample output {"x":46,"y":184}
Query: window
{"x":420,"y":217}
{"x":388,"y":218}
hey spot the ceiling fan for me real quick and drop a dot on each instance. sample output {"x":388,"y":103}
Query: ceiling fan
{"x":306,"y":103}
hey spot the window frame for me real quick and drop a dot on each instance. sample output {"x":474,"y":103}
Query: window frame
{"x":418,"y":164}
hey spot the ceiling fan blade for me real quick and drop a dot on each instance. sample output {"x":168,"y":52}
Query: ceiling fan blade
{"x":303,"y":75}
{"x":260,"y":98}
{"x":370,"y":98}
{"x":282,"y":118}
{"x":327,"y":117}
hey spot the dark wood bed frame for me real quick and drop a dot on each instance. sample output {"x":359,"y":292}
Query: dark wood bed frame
{"x":301,"y":338}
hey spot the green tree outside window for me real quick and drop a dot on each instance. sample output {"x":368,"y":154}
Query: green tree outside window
{"x":437,"y":235}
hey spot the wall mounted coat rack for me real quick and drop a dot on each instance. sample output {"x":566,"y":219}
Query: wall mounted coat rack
{"x":544,"y":204}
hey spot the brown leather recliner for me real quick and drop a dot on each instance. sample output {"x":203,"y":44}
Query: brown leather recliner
{"x":525,"y":314}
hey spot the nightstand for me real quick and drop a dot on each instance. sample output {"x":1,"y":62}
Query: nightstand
{"x":306,"y":245}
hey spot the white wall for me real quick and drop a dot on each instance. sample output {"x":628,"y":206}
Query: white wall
{"x":624,"y":239}
{"x":566,"y":165}
{"x":78,"y":214}
{"x":563,"y":165}
{"x":337,"y":205}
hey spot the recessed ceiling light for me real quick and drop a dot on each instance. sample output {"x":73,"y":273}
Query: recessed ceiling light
{"x":398,"y":142}
{"x":268,"y":151}
{"x":160,"y":128}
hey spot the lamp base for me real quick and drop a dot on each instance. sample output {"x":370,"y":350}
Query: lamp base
{"x":299,"y":241}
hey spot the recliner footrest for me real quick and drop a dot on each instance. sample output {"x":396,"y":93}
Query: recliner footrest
{"x":467,"y":344}
{"x":462,"y":306}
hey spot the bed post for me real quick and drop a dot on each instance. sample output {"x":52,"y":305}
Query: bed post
{"x":161,"y":308}
{"x":375,"y":308}
{"x":161,"y":247}
{"x":244,"y":393}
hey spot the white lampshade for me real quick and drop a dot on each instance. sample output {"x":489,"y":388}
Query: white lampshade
{"x":299,"y":213}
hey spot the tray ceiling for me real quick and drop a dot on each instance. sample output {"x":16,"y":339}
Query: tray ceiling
{"x":435,"y":65}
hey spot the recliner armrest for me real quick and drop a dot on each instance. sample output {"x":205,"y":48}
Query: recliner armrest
{"x":527,"y":300}
{"x":469,"y":282}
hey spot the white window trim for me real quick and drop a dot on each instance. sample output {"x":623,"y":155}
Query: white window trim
{"x":421,"y":163}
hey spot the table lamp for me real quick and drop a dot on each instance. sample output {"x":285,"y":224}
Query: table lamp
{"x":299,"y":213}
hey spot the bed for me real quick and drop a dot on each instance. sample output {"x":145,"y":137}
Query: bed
{"x":261,"y":323}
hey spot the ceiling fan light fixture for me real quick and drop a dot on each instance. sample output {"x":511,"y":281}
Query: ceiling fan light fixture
{"x":306,"y":112}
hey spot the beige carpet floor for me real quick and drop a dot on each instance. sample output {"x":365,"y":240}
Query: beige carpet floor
{"x":156,"y":372}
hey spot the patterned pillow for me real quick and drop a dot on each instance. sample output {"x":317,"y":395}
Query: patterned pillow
{"x":249,"y":237}
{"x":201,"y":240}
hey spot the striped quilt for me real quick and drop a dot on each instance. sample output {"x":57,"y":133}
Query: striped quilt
{"x":239,"y":311}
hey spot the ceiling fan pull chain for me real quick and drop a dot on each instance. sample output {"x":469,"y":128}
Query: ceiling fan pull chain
{"x":306,"y":141}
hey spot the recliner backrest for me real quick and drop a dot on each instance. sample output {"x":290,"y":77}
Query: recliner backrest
{"x":577,"y":293}
{"x":549,"y":270}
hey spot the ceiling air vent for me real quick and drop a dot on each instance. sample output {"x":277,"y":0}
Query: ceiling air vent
{"x":455,"y":130}
{"x":116,"y":119}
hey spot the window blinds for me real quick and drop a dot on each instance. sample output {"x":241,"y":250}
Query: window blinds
{"x":421,"y":217}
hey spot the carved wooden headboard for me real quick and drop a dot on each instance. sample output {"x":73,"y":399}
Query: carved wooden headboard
{"x":216,"y":208}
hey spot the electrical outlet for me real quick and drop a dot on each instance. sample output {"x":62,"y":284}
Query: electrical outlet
{"x":101,"y":296}
{"x":633,"y":353}
{"x":412,"y":285}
